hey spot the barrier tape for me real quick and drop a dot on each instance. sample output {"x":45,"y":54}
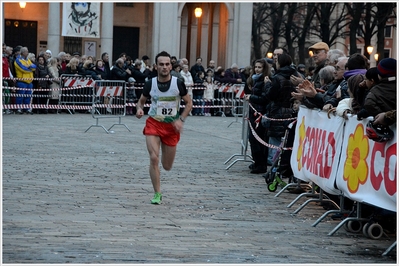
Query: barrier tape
{"x":69,"y":88}
{"x":91,"y":96}
{"x":269,"y":118}
{"x":17,"y":79}
{"x":195,"y":86}
{"x":41,"y":89}
{"x":62,"y":106}
{"x":260,"y":140}
{"x":43,"y":95}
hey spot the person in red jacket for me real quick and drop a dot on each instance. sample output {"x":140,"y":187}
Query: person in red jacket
{"x":6,"y":83}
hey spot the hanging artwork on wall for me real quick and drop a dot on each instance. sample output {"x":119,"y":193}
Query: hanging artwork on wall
{"x":81,"y":19}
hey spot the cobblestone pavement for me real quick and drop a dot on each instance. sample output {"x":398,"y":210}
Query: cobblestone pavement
{"x":76,"y":197}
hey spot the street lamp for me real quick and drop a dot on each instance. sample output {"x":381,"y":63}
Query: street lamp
{"x":370,"y":49}
{"x":198,"y":12}
{"x":22,"y":5}
{"x":376,"y":57}
{"x":311,"y":53}
{"x":269,"y":55}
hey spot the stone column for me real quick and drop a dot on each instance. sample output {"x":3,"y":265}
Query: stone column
{"x":107,"y":29}
{"x":166,"y":28}
{"x":240,"y":35}
{"x":54,"y":28}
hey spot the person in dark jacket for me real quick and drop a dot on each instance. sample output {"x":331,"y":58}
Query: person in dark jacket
{"x":279,"y":95}
{"x":118,"y":71}
{"x":382,"y":97}
{"x":335,"y":91}
{"x":232,"y":76}
{"x":107,"y":67}
{"x":219,"y":78}
{"x":90,"y":69}
{"x":220,"y":75}
{"x":140,"y":77}
{"x":73,"y":68}
{"x":100,"y":69}
{"x":44,"y":75}
{"x":198,"y":93}
{"x":371,"y":79}
{"x":197,"y":67}
{"x":257,"y":99}
{"x":357,"y":64}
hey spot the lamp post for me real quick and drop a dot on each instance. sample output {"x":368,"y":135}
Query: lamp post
{"x":198,"y":14}
{"x":376,"y":58}
{"x":370,"y":49}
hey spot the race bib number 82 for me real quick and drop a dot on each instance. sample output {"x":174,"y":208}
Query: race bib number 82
{"x":167,"y":108}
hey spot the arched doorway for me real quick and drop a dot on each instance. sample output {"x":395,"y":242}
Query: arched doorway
{"x":205,"y":36}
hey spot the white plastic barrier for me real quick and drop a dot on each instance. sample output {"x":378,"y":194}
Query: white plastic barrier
{"x":337,"y":155}
{"x":367,"y":172}
{"x":316,"y":150}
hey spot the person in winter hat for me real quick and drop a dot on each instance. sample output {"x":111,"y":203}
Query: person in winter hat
{"x":387,"y":67}
{"x":382,"y":97}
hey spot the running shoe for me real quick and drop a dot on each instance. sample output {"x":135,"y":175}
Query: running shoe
{"x":157,"y":198}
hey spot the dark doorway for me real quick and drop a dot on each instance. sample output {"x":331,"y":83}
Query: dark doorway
{"x":126,"y":40}
{"x":21,"y":32}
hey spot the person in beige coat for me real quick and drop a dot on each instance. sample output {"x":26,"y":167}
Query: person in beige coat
{"x":54,"y":93}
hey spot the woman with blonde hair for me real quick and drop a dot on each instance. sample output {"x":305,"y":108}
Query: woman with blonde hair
{"x":73,"y":67}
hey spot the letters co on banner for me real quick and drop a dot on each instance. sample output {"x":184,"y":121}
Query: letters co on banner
{"x":337,"y":155}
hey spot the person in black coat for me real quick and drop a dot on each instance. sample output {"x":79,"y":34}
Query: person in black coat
{"x":100,"y":69}
{"x":118,"y":72}
{"x":198,"y":93}
{"x":44,"y":75}
{"x":279,"y":95}
{"x":107,"y":67}
{"x":257,"y":99}
{"x":139,"y":77}
{"x":73,"y":68}
{"x":197,"y":67}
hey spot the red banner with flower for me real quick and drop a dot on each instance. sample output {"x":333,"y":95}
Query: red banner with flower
{"x":337,"y":155}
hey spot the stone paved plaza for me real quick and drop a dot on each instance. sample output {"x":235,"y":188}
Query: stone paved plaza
{"x":84,"y":198}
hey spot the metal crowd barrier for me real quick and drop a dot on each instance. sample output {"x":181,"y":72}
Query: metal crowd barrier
{"x":109,"y":101}
{"x":229,"y":98}
{"x":244,"y":139}
{"x":79,"y":96}
{"x":226,"y":97}
{"x":238,"y":102}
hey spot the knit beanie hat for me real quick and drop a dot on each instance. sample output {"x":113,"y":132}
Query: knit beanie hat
{"x":387,"y":67}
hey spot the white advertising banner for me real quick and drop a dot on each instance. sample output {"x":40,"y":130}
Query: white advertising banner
{"x":81,"y":19}
{"x":368,"y":170}
{"x":337,"y":155}
{"x":317,"y":147}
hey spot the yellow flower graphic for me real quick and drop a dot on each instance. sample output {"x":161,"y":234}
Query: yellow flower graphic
{"x":356,"y":168}
{"x":302,"y":134}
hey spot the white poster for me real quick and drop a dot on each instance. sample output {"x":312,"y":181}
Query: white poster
{"x":90,"y":48}
{"x":81,"y":19}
